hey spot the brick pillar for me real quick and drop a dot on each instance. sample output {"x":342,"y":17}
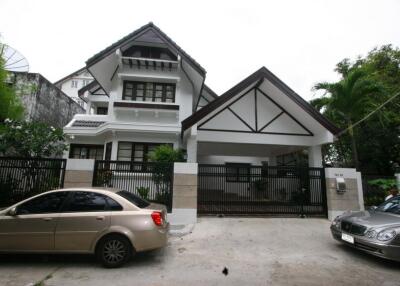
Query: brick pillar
{"x":351,"y":199}
{"x":184,"y":200}
{"x":79,"y":173}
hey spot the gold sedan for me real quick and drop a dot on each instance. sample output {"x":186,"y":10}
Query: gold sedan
{"x":113,"y":224}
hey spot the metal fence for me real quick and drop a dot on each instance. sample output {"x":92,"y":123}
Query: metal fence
{"x":375,"y":194}
{"x":151,"y":181}
{"x":247,"y":190}
{"x":21,"y":178}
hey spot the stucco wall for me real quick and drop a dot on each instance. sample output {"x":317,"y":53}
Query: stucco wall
{"x":43,"y":101}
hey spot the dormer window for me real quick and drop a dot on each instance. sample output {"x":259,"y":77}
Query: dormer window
{"x":149,"y":53}
{"x":149,"y":91}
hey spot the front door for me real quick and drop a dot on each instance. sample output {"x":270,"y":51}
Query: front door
{"x":32,"y":229}
{"x":81,"y":221}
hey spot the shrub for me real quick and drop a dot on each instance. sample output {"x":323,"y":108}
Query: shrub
{"x":143,"y":192}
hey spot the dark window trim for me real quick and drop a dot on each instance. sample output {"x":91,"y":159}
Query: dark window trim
{"x":103,"y":112}
{"x":153,"y":98}
{"x":145,"y":149}
{"x":235,"y":178}
{"x":72,"y":146}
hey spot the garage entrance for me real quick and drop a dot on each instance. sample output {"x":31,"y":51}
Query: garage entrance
{"x":242,"y":189}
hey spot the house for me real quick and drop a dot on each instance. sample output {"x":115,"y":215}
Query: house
{"x":43,"y":101}
{"x":148,"y":91}
{"x":71,"y":83}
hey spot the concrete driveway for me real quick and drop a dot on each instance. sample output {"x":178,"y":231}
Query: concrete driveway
{"x":255,"y":251}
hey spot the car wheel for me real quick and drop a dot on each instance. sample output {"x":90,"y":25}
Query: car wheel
{"x":114,"y":250}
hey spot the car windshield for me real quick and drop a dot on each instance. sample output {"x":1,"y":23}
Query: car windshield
{"x":134,"y":199}
{"x":390,"y":206}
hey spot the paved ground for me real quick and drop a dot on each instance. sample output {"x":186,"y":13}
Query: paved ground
{"x":256,"y":251}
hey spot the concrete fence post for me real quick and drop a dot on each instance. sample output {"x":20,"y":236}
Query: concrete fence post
{"x":184,"y":198}
{"x":79,"y":173}
{"x":351,"y":199}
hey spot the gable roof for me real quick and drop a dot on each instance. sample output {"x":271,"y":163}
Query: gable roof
{"x":259,"y":76}
{"x":70,"y":75}
{"x":135,"y":34}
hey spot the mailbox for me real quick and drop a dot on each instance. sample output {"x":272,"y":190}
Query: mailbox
{"x":340,"y":185}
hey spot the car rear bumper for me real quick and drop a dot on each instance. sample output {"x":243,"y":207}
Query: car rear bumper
{"x":152,"y":239}
{"x":386,"y":251}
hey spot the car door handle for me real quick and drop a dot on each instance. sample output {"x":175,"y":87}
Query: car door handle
{"x":100,"y":218}
{"x":47,"y":218}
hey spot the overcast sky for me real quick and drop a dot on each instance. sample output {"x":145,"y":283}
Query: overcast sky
{"x":299,"y":41}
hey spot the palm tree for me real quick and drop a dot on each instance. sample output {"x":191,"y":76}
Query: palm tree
{"x":348,"y":101}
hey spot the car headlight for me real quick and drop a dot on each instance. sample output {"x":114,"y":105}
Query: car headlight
{"x":336,"y":222}
{"x":386,"y":235}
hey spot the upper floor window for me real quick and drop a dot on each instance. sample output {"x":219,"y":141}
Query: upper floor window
{"x":150,"y":53}
{"x":148,"y":91}
{"x":74,"y":84}
{"x":85,"y":82}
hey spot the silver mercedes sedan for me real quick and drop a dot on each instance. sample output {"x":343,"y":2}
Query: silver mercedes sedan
{"x":111,"y":223}
{"x":375,"y":231}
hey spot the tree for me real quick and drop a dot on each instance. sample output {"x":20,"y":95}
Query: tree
{"x":377,"y":139}
{"x":349,"y":100}
{"x":10,"y":104}
{"x":30,"y":139}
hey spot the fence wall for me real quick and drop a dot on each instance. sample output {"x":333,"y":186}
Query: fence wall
{"x":21,"y":178}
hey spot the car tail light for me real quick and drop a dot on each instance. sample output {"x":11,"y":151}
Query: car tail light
{"x":157,"y":218}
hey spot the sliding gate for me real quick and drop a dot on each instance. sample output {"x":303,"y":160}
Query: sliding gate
{"x":257,"y":190}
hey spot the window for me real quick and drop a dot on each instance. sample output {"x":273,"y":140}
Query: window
{"x":390,"y":206}
{"x":102,"y":110}
{"x":148,"y":91}
{"x":86,"y":202}
{"x":136,"y":152}
{"x":79,"y":151}
{"x":74,"y":84}
{"x":85,"y":82}
{"x":237,"y":172}
{"x":49,"y":203}
{"x":134,"y":199}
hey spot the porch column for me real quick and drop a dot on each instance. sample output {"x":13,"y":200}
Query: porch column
{"x":191,"y":149}
{"x":315,"y":156}
{"x":114,"y":150}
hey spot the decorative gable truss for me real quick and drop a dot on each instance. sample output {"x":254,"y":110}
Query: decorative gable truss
{"x":255,"y":112}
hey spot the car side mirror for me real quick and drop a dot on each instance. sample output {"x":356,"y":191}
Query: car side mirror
{"x":13,"y":211}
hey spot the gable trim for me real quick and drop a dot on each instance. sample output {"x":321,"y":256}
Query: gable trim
{"x":259,"y":75}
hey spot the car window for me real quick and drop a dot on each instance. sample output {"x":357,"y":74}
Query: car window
{"x":134,"y":199}
{"x":86,"y":202}
{"x":390,"y":206}
{"x":48,"y":203}
{"x":113,"y":205}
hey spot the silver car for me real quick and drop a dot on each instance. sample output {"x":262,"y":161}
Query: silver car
{"x":375,"y":231}
{"x":113,"y":224}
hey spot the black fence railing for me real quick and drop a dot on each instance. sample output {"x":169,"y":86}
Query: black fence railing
{"x":375,"y":193}
{"x":21,"y":178}
{"x":151,"y":181}
{"x":262,"y":190}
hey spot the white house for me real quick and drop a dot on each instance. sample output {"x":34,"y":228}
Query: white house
{"x":147,"y":91}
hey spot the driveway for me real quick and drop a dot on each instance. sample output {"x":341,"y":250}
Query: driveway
{"x":255,"y":251}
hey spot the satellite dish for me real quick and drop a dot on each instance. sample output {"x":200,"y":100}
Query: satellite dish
{"x":13,"y":60}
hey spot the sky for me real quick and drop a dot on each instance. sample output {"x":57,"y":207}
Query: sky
{"x":299,"y":41}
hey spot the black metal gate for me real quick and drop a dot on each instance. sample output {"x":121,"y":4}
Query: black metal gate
{"x":151,"y":181}
{"x":21,"y":178}
{"x":260,"y":190}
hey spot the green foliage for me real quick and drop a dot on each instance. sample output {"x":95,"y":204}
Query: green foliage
{"x":10,"y":104}
{"x":30,"y":139}
{"x":378,"y":190}
{"x":104,"y":178}
{"x":366,"y":83}
{"x":143,"y":192}
{"x":166,"y":154}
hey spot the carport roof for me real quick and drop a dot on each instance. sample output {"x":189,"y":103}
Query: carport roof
{"x":259,"y":76}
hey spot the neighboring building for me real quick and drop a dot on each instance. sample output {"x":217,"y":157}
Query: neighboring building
{"x":148,"y":91}
{"x":42,"y":101}
{"x":73,"y":82}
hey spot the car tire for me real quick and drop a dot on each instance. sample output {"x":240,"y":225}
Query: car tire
{"x":114,"y":250}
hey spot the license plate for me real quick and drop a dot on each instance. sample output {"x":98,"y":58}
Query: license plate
{"x":348,"y":238}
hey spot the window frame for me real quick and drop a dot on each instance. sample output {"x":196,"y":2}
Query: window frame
{"x":104,"y":109}
{"x":67,"y":203}
{"x":146,"y":90}
{"x":66,"y":199}
{"x":145,"y":150}
{"x":89,"y":147}
{"x":235,"y":177}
